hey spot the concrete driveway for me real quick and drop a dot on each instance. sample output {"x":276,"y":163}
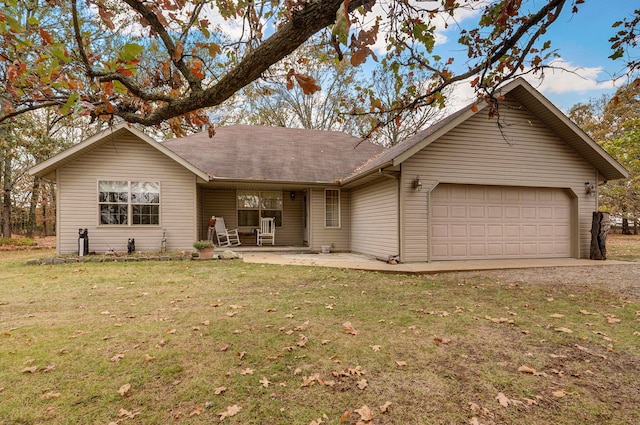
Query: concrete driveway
{"x":362,"y":262}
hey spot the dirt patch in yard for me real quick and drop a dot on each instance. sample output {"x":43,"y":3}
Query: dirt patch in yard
{"x":621,"y":278}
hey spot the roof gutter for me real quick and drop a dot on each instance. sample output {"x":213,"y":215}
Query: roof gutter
{"x":355,"y":178}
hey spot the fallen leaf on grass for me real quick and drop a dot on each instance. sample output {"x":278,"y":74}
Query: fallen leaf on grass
{"x":123,"y":413}
{"x":117,"y":357}
{"x":526,"y":369}
{"x":385,"y":407}
{"x":219,"y":390}
{"x":586,"y":350}
{"x":365,"y":413}
{"x":345,"y":416}
{"x":30,"y":369}
{"x":401,"y":363}
{"x":559,"y":393}
{"x":231,"y":411}
{"x":565,"y":330}
{"x":124,"y":389}
{"x":49,"y":395}
{"x":148,"y":358}
{"x":265,"y":382}
{"x":247,"y":371}
{"x":500,"y":320}
{"x":171,"y":331}
{"x":362,"y":384}
{"x":532,"y":371}
{"x":557,"y":315}
{"x":197,"y":411}
{"x":503,"y":400}
{"x":439,"y":340}
{"x":587,"y":313}
{"x":375,"y":347}
{"x":612,"y":319}
{"x":349,"y":329}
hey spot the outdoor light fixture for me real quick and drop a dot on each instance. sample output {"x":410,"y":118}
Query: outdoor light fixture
{"x":589,"y":189}
{"x":417,"y":184}
{"x":293,"y":196}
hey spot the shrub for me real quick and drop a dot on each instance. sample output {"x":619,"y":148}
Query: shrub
{"x":18,"y":241}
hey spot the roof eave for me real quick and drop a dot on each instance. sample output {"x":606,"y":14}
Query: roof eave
{"x":46,"y":169}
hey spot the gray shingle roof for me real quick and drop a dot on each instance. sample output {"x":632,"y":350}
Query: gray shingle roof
{"x":242,"y":152}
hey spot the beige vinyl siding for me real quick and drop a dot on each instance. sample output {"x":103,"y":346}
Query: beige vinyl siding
{"x":374,"y":229}
{"x":201,"y":222}
{"x":527,"y":154}
{"x":219,"y":203}
{"x":336,"y":238}
{"x":222,"y":203}
{"x":125,"y":159}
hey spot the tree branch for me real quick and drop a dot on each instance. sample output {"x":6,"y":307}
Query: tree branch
{"x":313,"y":17}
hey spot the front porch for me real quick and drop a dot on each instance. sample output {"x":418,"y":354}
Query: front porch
{"x":253,"y":248}
{"x":308,"y":219}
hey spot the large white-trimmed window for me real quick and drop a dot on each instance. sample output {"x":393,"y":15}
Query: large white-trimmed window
{"x":129,"y":203}
{"x":332,"y":207}
{"x":252,"y":205}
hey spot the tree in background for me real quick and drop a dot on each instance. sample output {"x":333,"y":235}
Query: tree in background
{"x":614,"y":123}
{"x":275,"y":101}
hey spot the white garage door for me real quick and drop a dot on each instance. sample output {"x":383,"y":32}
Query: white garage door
{"x":493,"y":222}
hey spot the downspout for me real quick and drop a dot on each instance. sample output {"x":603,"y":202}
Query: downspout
{"x":429,"y":224}
{"x":597,"y":180}
{"x":396,"y":176}
{"x":57,"y":211}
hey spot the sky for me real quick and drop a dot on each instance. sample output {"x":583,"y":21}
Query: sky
{"x":582,"y":43}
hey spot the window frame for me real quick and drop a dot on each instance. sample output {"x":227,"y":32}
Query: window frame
{"x":326,"y":210}
{"x":260,"y":207}
{"x":131,"y":203}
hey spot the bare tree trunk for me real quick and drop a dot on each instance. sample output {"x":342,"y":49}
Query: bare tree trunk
{"x":599,"y":229}
{"x":6,"y":202}
{"x":33,"y":205}
{"x":53,"y":211}
{"x":625,"y":226}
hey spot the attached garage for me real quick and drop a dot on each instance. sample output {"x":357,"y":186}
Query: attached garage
{"x":491,"y":222}
{"x":522,"y":183}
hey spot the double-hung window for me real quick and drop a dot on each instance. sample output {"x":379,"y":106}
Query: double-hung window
{"x":252,"y":205}
{"x":129,"y":203}
{"x":332,"y":208}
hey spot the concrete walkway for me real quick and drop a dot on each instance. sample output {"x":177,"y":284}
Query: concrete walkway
{"x":362,"y":262}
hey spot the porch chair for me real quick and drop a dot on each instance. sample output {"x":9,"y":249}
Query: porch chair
{"x":226,"y":237}
{"x":267,"y":230}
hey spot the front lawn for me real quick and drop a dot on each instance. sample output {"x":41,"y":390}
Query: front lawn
{"x":198,"y":342}
{"x":623,"y":247}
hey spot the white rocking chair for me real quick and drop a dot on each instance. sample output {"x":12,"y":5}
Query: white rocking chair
{"x":267,"y":230}
{"x":226,"y":237}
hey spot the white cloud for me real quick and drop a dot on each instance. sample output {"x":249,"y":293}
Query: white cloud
{"x":566,"y":77}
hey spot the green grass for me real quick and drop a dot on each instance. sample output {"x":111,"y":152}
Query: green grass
{"x":427,"y":344}
{"x":623,"y":247}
